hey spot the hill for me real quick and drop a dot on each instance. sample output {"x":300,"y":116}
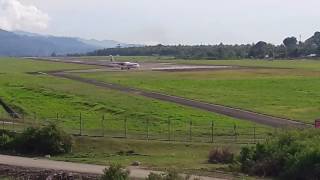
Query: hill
{"x":21,"y":43}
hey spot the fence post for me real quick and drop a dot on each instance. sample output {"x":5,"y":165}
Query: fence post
{"x":23,"y":122}
{"x":148,"y":129}
{"x":169,"y":129}
{"x":102,"y":125}
{"x":57,"y":117}
{"x":3,"y":119}
{"x":187,"y":130}
{"x":13,"y":126}
{"x":254,"y":134}
{"x":80,"y":118}
{"x":125,"y":127}
{"x":235,"y":132}
{"x":34,"y":118}
{"x":173,"y":132}
{"x":212,"y":129}
{"x":190,"y":131}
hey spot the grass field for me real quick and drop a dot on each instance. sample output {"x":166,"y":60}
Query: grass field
{"x":154,"y":155}
{"x":289,"y":93}
{"x":43,"y":97}
{"x":40,"y":97}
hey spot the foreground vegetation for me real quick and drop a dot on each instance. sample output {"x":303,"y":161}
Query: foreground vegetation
{"x":290,"y":155}
{"x":117,"y":172}
{"x":36,"y":141}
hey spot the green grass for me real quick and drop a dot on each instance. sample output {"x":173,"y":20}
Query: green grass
{"x":47,"y":96}
{"x":18,"y":66}
{"x":42,"y":97}
{"x":289,"y":93}
{"x":153,"y":154}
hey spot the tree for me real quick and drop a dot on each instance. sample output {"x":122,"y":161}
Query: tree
{"x":259,"y":50}
{"x":291,"y":46}
{"x":53,"y":54}
{"x":290,"y":42}
{"x":316,"y":38}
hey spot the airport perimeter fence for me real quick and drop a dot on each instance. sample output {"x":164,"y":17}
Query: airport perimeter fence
{"x":155,"y":129}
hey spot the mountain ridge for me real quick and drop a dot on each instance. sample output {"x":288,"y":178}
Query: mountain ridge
{"x":21,"y":43}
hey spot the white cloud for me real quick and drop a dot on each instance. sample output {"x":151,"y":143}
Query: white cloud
{"x":17,"y":16}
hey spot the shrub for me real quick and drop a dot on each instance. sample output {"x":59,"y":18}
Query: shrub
{"x":47,"y":140}
{"x":289,"y":155}
{"x":169,"y":175}
{"x":221,"y":155}
{"x":306,"y":167}
{"x":155,"y":176}
{"x":6,"y":139}
{"x":115,"y":172}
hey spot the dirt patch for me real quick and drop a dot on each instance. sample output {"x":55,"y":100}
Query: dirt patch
{"x":16,"y":172}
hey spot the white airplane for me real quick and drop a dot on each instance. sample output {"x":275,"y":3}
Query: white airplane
{"x":124,"y":65}
{"x":128,"y":65}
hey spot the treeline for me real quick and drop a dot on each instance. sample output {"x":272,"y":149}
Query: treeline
{"x":291,"y":48}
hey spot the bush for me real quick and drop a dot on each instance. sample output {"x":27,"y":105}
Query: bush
{"x":47,"y":140}
{"x":289,"y":155}
{"x":115,"y":172}
{"x":169,"y":175}
{"x":221,"y":155}
{"x":155,"y":176}
{"x":6,"y":139}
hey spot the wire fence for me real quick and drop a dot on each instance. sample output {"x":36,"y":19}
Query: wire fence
{"x":145,"y":129}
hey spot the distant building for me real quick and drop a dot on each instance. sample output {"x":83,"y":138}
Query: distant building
{"x":312,"y":55}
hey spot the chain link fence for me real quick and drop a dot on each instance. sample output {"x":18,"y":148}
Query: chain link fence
{"x":146,"y":129}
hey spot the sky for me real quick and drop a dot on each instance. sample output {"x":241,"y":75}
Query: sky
{"x":165,"y":21}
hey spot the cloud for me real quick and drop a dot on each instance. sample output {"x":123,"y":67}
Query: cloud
{"x":16,"y":16}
